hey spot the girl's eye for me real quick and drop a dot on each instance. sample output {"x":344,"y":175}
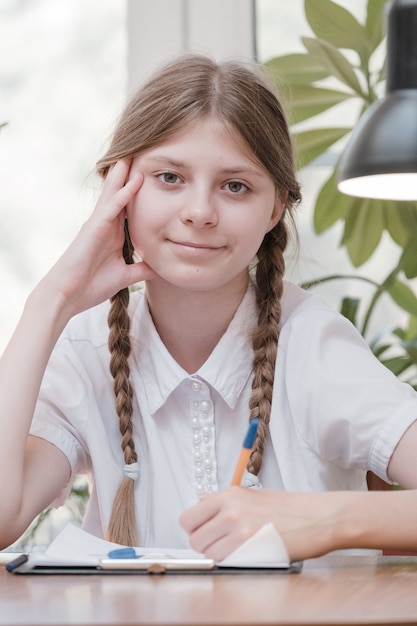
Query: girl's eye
{"x":169,"y":178}
{"x":236,"y":187}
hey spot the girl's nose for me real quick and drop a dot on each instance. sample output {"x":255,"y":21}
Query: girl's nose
{"x":199,"y":210}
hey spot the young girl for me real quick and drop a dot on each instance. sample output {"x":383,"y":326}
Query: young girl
{"x":151,"y":395}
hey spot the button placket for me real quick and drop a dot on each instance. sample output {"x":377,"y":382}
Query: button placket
{"x":202,"y":434}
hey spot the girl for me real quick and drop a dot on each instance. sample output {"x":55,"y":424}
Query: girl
{"x":151,"y":395}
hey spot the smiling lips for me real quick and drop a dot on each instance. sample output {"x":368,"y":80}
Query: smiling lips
{"x":195,"y":248}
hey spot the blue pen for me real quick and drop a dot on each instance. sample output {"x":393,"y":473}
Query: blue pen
{"x":245,"y":452}
{"x":123,"y":553}
{"x":17,"y":562}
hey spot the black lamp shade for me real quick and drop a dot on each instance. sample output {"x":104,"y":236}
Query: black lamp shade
{"x":380,"y":160}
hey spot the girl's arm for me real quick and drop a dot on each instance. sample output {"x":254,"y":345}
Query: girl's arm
{"x":312,"y":524}
{"x":27,"y":488}
{"x":33,"y":471}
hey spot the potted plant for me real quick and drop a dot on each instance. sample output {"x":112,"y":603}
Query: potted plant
{"x":344,"y":62}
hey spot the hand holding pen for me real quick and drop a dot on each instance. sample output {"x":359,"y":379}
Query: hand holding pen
{"x":214,"y":524}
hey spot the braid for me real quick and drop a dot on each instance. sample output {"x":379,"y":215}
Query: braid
{"x":269,"y":281}
{"x":122,"y":526}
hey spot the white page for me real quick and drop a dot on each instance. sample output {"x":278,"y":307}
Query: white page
{"x":74,"y":546}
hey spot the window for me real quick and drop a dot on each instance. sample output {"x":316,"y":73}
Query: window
{"x":63,"y":79}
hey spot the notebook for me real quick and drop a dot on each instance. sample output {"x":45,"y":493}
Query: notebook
{"x":78,"y":552}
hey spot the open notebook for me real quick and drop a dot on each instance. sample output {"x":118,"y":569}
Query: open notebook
{"x":76,"y":551}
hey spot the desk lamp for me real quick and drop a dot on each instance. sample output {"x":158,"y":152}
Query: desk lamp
{"x":380,"y":160}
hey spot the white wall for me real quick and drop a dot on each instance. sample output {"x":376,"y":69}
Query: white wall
{"x":160,"y":29}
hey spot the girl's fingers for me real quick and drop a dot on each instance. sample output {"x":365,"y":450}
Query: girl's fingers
{"x":126,"y":193}
{"x":117,"y":175}
{"x":139,"y":271}
{"x":209,"y":522}
{"x":196,"y":516}
{"x":216,"y":528}
{"x":118,"y":189}
{"x":222,"y":521}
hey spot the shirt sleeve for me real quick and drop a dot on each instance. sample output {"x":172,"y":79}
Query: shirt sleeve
{"x":62,"y":409}
{"x":346,"y":405}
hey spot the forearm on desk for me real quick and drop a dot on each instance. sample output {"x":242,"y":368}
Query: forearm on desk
{"x":320,"y":523}
{"x":311,"y":524}
{"x":384,"y":520}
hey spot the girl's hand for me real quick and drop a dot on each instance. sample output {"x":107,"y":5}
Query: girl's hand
{"x":222,"y":521}
{"x":93,"y":268}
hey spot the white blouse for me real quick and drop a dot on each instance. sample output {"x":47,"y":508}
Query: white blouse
{"x":336,"y":412}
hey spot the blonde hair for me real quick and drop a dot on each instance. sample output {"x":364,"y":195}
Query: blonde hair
{"x":185,"y":91}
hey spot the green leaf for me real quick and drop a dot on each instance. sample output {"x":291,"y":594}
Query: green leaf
{"x":336,"y":25}
{"x":310,"y":144}
{"x":375,"y":22}
{"x":401,"y":220}
{"x":379,"y":349}
{"x":397,"y":365}
{"x":401,"y":332}
{"x":403,"y":296}
{"x":295,"y":69}
{"x":411,"y":331}
{"x":364,"y":225}
{"x":335,"y":62}
{"x":331,"y":205}
{"x":381,"y":74}
{"x":411,"y":347}
{"x":408,"y":258}
{"x":349,"y":308}
{"x":306,"y":101}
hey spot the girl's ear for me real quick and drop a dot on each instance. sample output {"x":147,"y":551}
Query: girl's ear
{"x":281,"y":196}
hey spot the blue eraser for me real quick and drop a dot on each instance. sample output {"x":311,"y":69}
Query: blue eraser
{"x":251,"y":434}
{"x":123,"y":553}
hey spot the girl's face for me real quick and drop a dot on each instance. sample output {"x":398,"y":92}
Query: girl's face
{"x":203,"y":209}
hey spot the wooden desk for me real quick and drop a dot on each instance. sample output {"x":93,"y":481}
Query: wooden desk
{"x":329,"y":590}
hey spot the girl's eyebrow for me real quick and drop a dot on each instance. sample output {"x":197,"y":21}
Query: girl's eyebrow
{"x":166,"y":160}
{"x":239,"y":171}
{"x":233,"y":171}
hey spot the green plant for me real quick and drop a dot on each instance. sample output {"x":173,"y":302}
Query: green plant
{"x":344,"y":63}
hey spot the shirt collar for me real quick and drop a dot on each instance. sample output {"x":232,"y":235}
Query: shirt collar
{"x":227,"y":369}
